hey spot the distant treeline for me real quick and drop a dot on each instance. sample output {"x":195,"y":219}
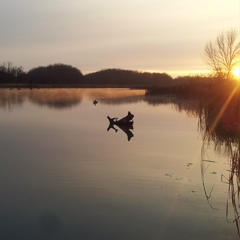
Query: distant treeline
{"x":52,"y":74}
{"x":61,"y":74}
{"x":128,"y":77}
{"x":11,"y":74}
{"x":55,"y":74}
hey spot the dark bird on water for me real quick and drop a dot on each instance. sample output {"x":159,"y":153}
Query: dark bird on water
{"x":95,"y":102}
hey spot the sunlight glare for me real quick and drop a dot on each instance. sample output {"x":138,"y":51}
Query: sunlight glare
{"x":236,"y":73}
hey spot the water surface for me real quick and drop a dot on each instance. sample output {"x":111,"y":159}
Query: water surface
{"x":64,"y":176}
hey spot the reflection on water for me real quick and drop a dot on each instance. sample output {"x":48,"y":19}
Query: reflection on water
{"x":63,"y":176}
{"x":65,"y":98}
{"x":219,"y":124}
{"x":125,"y":124}
{"x":50,"y":224}
{"x":219,"y":120}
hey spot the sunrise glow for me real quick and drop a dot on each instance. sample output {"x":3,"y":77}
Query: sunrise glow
{"x":236,"y":73}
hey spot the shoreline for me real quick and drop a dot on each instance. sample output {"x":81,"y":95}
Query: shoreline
{"x":38,"y":86}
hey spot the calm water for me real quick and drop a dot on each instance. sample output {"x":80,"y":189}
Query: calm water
{"x":64,"y":176}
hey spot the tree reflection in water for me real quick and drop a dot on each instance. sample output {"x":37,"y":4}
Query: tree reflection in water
{"x":219,"y":122}
{"x":52,"y":98}
{"x":62,"y":98}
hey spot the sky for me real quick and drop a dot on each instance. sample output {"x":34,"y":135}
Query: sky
{"x":91,"y":35}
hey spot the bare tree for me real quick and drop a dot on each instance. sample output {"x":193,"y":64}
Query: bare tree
{"x":223,"y":54}
{"x":8,"y":68}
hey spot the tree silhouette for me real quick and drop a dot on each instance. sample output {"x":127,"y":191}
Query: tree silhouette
{"x":10,"y":73}
{"x":223,"y":54}
{"x":128,"y":77}
{"x":55,"y":74}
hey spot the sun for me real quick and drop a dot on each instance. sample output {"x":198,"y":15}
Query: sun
{"x":236,"y":73}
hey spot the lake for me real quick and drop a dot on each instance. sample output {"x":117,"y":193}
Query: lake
{"x":64,"y":175}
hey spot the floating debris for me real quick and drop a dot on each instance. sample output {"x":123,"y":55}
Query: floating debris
{"x":95,"y":102}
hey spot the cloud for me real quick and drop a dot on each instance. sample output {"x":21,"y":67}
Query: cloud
{"x":90,"y":34}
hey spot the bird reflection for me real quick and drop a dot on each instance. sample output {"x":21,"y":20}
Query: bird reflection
{"x":125,"y":124}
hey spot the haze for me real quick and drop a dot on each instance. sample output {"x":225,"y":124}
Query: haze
{"x":143,"y":35}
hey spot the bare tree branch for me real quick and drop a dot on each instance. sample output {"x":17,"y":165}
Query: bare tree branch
{"x":223,"y":54}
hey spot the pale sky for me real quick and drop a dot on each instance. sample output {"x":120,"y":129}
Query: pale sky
{"x":145,"y":35}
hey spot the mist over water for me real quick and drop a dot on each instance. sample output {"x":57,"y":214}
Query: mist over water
{"x":64,"y":176}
